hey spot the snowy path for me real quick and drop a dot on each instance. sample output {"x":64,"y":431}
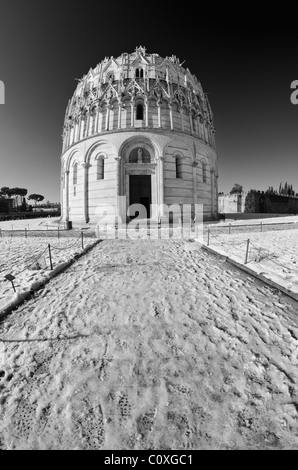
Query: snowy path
{"x":150,"y":345}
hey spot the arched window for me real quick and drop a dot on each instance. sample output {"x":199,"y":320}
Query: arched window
{"x":140,"y":112}
{"x":204,"y":172}
{"x":75,"y":174}
{"x":139,"y":73}
{"x":100,"y":169}
{"x":178,"y":161}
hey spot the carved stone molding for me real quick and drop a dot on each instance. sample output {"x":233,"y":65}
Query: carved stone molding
{"x":135,"y":166}
{"x":140,"y":168}
{"x":140,"y":172}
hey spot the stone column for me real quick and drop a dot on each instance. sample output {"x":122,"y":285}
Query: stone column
{"x":63,"y":141}
{"x":182,"y":120}
{"x":97,"y":119}
{"x":191,"y":123}
{"x":196,"y":126}
{"x":88,"y":125}
{"x":67,"y":195}
{"x":119,"y":209}
{"x":213,"y":135}
{"x":205,"y":131}
{"x":147,"y":113}
{"x":86,"y":167}
{"x":132,"y":114}
{"x":99,"y":115}
{"x":78,"y":130}
{"x":107,"y":118}
{"x":72,"y":134}
{"x":159,"y":114}
{"x":67,"y":138}
{"x":161,"y":185}
{"x":62,"y":195}
{"x":82,"y":127}
{"x":212,"y":191}
{"x":202,"y":128}
{"x":208,"y":133}
{"x":119,"y":114}
{"x":194,"y":171}
{"x":171,"y":117}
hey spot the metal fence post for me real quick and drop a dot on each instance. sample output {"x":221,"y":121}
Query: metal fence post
{"x":208,"y":241}
{"x":50,"y":255}
{"x":82,"y":240}
{"x":247,"y":252}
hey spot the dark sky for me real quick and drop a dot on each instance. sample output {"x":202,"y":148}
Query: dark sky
{"x":246,"y":60}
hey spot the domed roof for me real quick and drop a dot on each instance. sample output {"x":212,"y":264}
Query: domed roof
{"x":138,"y":75}
{"x":141,"y":65}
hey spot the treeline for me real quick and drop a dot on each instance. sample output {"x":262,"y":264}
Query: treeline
{"x":18,"y":196}
{"x":283,"y":190}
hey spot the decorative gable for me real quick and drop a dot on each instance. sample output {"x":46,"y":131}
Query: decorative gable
{"x":133,"y":88}
{"x":111,"y":65}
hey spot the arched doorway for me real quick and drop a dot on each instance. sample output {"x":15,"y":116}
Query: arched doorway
{"x":140,"y":184}
{"x":140,"y":192}
{"x":140,"y":179}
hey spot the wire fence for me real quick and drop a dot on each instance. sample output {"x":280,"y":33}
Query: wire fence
{"x":42,"y":255}
{"x":251,"y":228}
{"x":49,"y":232}
{"x":247,"y":250}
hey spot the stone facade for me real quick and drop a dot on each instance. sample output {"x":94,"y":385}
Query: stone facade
{"x":257,"y":202}
{"x":138,"y":126}
{"x":231,"y":203}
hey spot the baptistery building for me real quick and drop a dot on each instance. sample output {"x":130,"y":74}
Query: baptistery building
{"x":138,"y":130}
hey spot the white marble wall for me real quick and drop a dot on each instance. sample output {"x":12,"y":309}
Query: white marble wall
{"x":80,"y":201}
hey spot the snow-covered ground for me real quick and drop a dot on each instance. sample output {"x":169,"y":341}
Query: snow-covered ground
{"x":150,"y":345}
{"x":28,"y":259}
{"x":273,"y":254}
{"x":247,"y":218}
{"x":31,"y":224}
